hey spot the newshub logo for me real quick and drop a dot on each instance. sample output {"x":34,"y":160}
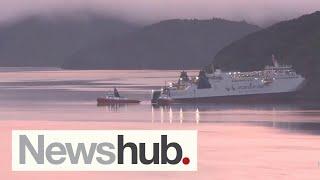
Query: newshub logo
{"x":104,"y":150}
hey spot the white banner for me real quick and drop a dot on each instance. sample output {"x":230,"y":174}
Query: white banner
{"x":104,"y":150}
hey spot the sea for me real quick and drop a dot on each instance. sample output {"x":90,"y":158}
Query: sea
{"x":236,"y":140}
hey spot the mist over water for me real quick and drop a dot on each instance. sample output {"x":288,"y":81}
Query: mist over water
{"x":258,"y":12}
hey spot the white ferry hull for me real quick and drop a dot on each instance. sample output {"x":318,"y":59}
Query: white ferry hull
{"x":246,"y":98}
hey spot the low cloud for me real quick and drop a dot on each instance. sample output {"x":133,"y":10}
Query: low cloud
{"x":259,"y":12}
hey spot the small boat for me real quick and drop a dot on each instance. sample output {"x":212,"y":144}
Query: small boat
{"x":115,"y":98}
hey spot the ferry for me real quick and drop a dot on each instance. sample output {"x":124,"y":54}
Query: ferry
{"x":276,"y":82}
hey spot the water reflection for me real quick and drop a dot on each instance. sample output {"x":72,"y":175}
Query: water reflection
{"x":114,"y":107}
{"x":181,"y":116}
{"x":294,"y":120}
{"x":214,"y":113}
{"x":170,"y":115}
{"x":58,"y":95}
{"x":274,"y":117}
{"x":152,"y":114}
{"x":197,"y":116}
{"x":161,"y":114}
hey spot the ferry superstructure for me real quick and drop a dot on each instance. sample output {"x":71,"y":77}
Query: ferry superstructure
{"x":271,"y":83}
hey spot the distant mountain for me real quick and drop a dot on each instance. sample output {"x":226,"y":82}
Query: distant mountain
{"x":295,"y":42}
{"x":171,"y":44}
{"x":48,"y":41}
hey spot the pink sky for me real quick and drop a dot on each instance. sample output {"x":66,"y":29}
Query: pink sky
{"x":254,"y":11}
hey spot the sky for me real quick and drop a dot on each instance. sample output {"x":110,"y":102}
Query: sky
{"x":260,"y":12}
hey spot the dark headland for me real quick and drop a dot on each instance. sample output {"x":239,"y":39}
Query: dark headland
{"x":295,"y":42}
{"x":171,"y":44}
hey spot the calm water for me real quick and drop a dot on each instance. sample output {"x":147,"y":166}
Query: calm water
{"x":236,"y":141}
{"x":60,"y":95}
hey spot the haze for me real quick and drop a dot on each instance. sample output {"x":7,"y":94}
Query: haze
{"x":260,"y":12}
